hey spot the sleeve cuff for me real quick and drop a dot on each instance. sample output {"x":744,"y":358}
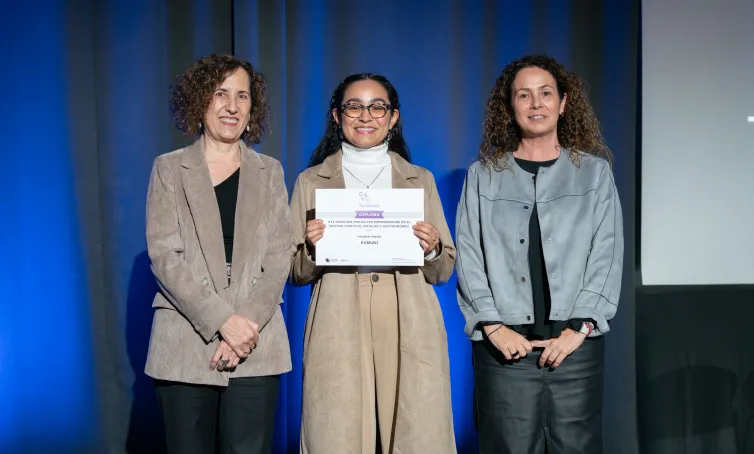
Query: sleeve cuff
{"x":218,"y":313}
{"x":434,"y":254}
{"x":600,"y":323}
{"x":304,"y":269}
{"x":472,"y":323}
{"x":592,"y":305}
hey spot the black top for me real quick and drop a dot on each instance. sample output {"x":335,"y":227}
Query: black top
{"x":543,"y":327}
{"x":227,"y":195}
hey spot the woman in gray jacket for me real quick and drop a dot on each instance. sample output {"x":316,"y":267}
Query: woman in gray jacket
{"x":540,"y":258}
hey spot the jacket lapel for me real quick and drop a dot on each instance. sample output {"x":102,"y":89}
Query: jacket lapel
{"x":331,"y":172}
{"x":250,"y":208}
{"x":404,"y":174}
{"x":200,"y":194}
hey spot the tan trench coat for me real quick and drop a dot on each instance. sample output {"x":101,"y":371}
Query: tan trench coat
{"x":332,"y":397}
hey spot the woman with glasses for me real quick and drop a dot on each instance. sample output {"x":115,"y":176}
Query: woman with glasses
{"x":376,"y":372}
{"x":540,"y":259}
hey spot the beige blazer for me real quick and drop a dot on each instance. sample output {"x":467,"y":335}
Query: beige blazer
{"x":185,"y":242}
{"x":332,"y":399}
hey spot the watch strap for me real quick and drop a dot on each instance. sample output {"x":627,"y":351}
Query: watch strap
{"x":582,"y":326}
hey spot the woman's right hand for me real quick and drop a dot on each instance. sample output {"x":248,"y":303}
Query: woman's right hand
{"x":511,"y":344}
{"x":314,"y":231}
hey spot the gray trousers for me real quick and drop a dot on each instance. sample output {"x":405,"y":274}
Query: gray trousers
{"x":523,"y":408}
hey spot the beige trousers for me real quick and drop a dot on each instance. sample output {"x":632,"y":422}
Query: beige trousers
{"x":378,"y":300}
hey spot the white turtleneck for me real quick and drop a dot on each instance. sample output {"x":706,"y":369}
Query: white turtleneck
{"x":370,"y":167}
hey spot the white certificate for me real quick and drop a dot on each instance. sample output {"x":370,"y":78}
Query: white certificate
{"x":369,"y":227}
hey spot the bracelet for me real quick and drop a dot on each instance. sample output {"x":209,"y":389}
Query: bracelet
{"x":495,"y":330}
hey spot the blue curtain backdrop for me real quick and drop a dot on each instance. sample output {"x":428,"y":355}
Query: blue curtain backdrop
{"x":86,"y":88}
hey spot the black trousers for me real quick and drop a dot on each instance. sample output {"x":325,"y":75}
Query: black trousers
{"x":523,"y":408}
{"x":245,"y":411}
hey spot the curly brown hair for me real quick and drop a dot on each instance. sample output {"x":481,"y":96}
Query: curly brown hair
{"x":578,"y":128}
{"x":191,"y":95}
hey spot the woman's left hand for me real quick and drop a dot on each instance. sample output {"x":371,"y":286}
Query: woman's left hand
{"x":429,"y":236}
{"x":558,"y":348}
{"x":224,"y":359}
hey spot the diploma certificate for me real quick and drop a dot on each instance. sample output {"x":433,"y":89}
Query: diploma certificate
{"x":369,"y":227}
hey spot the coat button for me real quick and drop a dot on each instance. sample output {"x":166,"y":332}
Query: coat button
{"x":526,"y":207}
{"x":523,"y":279}
{"x":554,"y":275}
{"x":549,"y":240}
{"x":528,"y":318}
{"x":254,"y":281}
{"x":205,"y":282}
{"x":522,"y":241}
{"x":375,"y":278}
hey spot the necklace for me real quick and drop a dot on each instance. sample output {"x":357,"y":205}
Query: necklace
{"x":357,"y":178}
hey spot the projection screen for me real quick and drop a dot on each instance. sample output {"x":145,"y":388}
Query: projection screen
{"x":697,"y":158}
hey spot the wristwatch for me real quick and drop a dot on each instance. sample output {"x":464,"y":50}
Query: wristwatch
{"x":581,"y":326}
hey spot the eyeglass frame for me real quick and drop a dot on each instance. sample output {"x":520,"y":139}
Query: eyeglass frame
{"x":368,"y":109}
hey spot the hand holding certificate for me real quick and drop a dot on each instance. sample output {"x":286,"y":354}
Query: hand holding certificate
{"x":369,"y":227}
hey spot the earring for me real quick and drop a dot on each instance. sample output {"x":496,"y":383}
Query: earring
{"x":248,"y":127}
{"x":389,"y":135}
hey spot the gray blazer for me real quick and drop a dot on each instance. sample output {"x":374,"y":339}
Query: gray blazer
{"x":185,"y":242}
{"x":582,"y":242}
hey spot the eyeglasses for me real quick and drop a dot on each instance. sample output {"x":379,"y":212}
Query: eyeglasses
{"x":375,"y":110}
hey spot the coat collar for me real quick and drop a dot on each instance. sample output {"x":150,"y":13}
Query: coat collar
{"x":523,"y":179}
{"x":205,"y":212}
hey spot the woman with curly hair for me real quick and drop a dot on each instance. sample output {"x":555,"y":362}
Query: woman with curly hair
{"x":540,"y":259}
{"x":376,"y":369}
{"x":218,"y":234}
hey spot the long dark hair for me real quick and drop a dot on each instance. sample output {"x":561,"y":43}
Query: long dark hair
{"x":330,"y":142}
